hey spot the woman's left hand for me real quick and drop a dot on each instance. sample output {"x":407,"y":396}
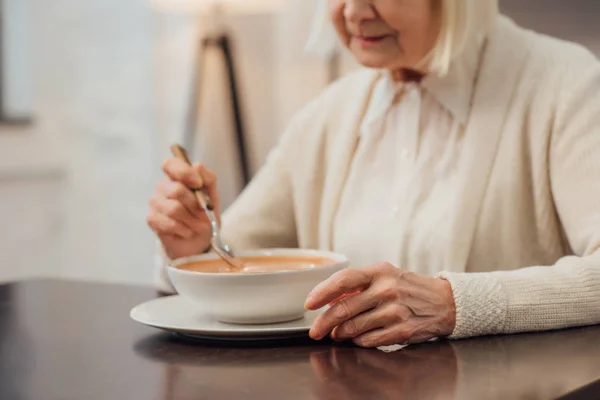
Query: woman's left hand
{"x":391,"y":306}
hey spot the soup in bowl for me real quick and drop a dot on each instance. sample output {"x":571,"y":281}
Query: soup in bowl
{"x":271,"y":288}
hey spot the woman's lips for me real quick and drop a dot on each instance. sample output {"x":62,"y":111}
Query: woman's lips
{"x":369,"y":41}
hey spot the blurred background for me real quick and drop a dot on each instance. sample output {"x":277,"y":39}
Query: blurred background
{"x":92,"y":92}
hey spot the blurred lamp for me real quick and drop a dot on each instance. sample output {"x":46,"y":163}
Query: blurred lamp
{"x":218,"y":38}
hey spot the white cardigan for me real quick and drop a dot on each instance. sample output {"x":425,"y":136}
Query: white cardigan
{"x":524,"y":253}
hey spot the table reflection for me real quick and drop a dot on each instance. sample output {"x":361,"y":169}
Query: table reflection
{"x":540,"y":366}
{"x":531,"y":366}
{"x":323,"y":371}
{"x":424,"y":372}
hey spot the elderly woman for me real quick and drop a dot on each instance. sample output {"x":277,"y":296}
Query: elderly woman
{"x":459,"y":171}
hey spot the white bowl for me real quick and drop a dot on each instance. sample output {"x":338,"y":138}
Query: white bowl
{"x":253,"y":298}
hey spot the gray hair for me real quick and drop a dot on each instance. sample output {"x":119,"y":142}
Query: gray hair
{"x":462,"y":21}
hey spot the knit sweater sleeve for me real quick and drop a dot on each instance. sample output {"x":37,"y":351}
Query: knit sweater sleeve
{"x":566,"y":294}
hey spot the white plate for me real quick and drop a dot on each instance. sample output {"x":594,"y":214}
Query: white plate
{"x":176,"y":314}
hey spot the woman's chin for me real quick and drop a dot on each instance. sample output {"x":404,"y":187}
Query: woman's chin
{"x":377,"y":62}
{"x":372,"y":64}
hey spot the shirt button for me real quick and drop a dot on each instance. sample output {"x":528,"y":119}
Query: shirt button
{"x":404,"y":154}
{"x":395,"y":211}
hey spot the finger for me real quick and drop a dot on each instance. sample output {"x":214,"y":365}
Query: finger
{"x":344,"y":282}
{"x":342,"y":297}
{"x":343,"y":311}
{"x":388,"y":336}
{"x":163,"y":226}
{"x":379,"y":317}
{"x":208,"y":177}
{"x":179,"y":171}
{"x":178,"y":191}
{"x":177,"y":212}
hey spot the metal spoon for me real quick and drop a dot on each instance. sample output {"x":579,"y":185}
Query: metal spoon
{"x":222,"y":250}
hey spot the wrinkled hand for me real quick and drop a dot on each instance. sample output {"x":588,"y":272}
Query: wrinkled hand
{"x":174,"y":213}
{"x":391,"y":306}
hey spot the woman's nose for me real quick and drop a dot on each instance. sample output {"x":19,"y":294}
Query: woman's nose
{"x":356,"y":11}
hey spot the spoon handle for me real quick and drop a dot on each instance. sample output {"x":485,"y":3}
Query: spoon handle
{"x":203,"y":197}
{"x":206,"y":203}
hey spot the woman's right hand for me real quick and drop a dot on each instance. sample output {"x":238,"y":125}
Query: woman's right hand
{"x":175,"y":215}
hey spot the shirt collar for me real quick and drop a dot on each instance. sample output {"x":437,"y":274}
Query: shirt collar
{"x":453,"y":91}
{"x":382,"y":98}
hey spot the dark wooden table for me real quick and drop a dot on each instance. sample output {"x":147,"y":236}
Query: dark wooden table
{"x":72,"y":340}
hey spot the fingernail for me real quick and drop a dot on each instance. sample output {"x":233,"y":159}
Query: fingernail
{"x":308,"y":301}
{"x":335,"y":335}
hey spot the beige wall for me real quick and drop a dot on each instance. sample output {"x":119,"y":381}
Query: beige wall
{"x":109,"y":90}
{"x":93,"y":106}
